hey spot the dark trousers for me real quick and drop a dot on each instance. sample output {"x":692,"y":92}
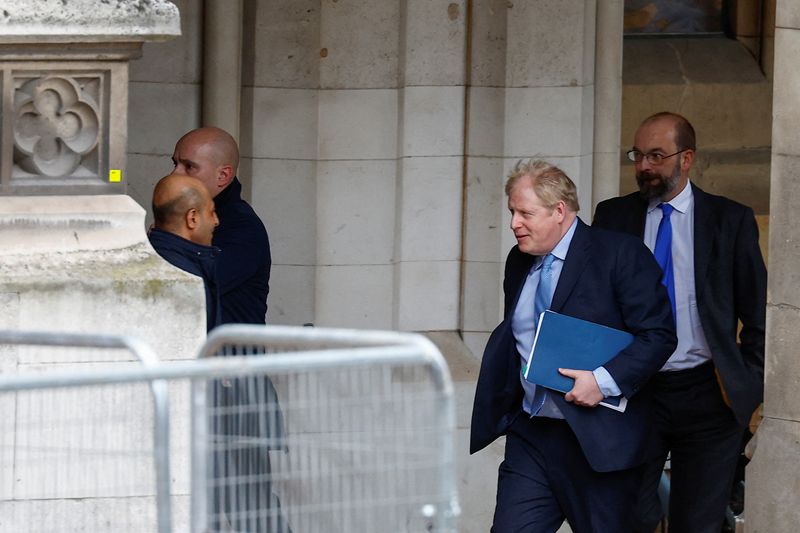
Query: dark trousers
{"x":545,"y":478}
{"x":246,"y":423}
{"x":702,"y":434}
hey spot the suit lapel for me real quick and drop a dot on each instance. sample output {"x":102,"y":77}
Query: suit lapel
{"x":703,"y":237}
{"x":639,"y":217}
{"x":577,"y":257}
{"x":517,"y":276}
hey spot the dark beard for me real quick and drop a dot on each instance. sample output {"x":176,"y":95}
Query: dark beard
{"x":664,"y":186}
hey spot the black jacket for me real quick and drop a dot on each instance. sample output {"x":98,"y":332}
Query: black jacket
{"x":195,"y":259}
{"x":244,"y":265}
{"x":730,"y":281}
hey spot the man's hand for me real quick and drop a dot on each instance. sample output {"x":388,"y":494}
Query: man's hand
{"x":585,"y":392}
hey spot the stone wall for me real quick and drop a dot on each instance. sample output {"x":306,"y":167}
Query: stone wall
{"x":70,"y":458}
{"x":720,"y":88}
{"x":164,"y":102}
{"x":355,"y":124}
{"x":773,"y":484}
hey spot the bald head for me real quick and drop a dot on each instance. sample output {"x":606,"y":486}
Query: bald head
{"x":209,"y":154}
{"x":684,"y":135}
{"x":183,"y":206}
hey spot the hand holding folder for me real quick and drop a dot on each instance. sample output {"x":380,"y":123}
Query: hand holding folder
{"x":566,"y":342}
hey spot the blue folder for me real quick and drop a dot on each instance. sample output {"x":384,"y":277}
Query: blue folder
{"x":566,"y":342}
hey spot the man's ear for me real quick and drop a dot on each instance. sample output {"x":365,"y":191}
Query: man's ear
{"x":561,"y":210}
{"x":226,"y":175}
{"x":191,"y":218}
{"x":686,"y":160}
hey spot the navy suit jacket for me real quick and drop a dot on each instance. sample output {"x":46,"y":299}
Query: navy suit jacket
{"x":195,"y":259}
{"x":607,"y":278}
{"x":730,"y":281}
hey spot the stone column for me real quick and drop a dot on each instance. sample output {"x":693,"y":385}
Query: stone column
{"x":64,"y":91}
{"x":767,"y":60}
{"x":222,"y":64}
{"x":357,"y":141}
{"x":607,"y":101}
{"x":430,"y":162}
{"x":773,"y":477}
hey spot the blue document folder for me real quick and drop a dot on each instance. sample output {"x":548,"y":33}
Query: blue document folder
{"x":566,"y":342}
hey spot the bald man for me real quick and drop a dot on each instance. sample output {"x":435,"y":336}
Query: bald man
{"x":251,"y":422}
{"x":185,"y":219}
{"x":211,"y":156}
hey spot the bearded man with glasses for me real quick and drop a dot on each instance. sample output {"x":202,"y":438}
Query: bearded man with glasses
{"x":705,"y":394}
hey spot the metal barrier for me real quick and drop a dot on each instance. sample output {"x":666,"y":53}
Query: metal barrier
{"x":332,"y":431}
{"x":352,"y":431}
{"x":80,"y":459}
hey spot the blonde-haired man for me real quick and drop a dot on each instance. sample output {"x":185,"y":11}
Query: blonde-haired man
{"x":565,"y":456}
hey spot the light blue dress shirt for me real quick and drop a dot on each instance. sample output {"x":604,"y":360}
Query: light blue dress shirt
{"x":523,"y":327}
{"x":692,"y":347}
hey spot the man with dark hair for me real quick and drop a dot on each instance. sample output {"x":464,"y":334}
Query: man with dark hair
{"x":566,"y":456}
{"x":211,"y":156}
{"x":712,"y":267}
{"x":182,"y":232}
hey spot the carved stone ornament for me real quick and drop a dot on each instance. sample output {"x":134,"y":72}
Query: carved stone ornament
{"x":56,"y":126}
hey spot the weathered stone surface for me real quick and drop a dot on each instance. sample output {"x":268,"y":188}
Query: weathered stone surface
{"x":434,"y":282}
{"x":545,"y":43}
{"x":83,"y":265}
{"x":359,"y":45}
{"x":488,"y":41}
{"x":90,"y":514}
{"x":771,"y":502}
{"x":786,"y":93}
{"x":784,"y":242}
{"x":433,"y":121}
{"x":434,"y":42}
{"x":745,"y":124}
{"x":357,"y":296}
{"x":676,"y":60}
{"x":350,"y":230}
{"x":282,"y":44}
{"x":787,"y":14}
{"x":782,"y":366}
{"x":178,"y":60}
{"x":37,"y":21}
{"x":55,"y":224}
{"x":430,"y":197}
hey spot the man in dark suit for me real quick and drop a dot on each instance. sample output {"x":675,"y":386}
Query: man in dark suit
{"x":565,"y":455}
{"x":709,"y":388}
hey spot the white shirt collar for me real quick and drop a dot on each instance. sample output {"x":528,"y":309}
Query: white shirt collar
{"x":681,"y":203}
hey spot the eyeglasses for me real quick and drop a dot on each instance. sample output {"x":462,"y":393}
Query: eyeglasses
{"x":653,"y":158}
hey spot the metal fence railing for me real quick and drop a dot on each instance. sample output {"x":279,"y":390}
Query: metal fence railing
{"x":77,"y":456}
{"x":292,"y":429}
{"x":351,"y":431}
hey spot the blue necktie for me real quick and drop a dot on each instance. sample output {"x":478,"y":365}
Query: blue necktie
{"x":663,"y":253}
{"x":541,"y":301}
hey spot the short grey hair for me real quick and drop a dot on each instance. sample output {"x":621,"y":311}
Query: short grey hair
{"x":549,"y":182}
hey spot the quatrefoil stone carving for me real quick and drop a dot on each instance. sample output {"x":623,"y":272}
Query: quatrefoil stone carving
{"x":56,"y":126}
